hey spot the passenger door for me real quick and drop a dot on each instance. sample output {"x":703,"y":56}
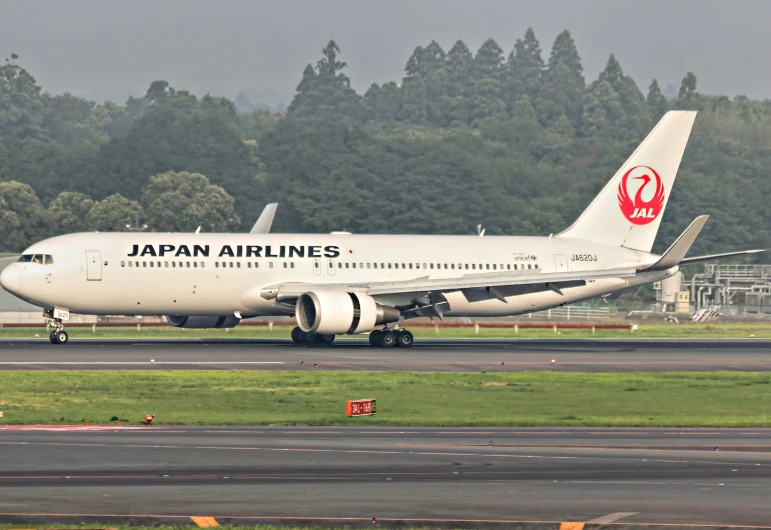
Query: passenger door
{"x":93,"y":265}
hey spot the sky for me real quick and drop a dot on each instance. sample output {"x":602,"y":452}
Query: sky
{"x":109,"y":50}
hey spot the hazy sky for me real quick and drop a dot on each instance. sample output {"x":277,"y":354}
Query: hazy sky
{"x":109,"y":49}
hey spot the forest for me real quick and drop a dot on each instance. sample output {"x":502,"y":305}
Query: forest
{"x":516,"y":141}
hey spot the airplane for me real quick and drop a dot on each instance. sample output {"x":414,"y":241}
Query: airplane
{"x":340,"y":283}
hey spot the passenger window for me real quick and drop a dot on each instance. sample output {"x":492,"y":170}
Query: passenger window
{"x":203,"y":265}
{"x":291,"y":265}
{"x":346,"y":265}
{"x":217,"y":264}
{"x":501,"y":266}
{"x":159,"y":264}
{"x":488,"y":266}
{"x":173,"y":264}
{"x":452,"y":266}
{"x":410,"y":265}
{"x":136,"y":263}
{"x":129,"y":264}
{"x":316,"y":264}
{"x":432,"y":266}
{"x":361,"y":265}
{"x":256,"y":265}
{"x":340,"y":265}
{"x":122,"y":263}
{"x":495,"y":267}
{"x":285,"y":265}
{"x":424,"y":266}
{"x":528,"y":265}
{"x":144,"y":264}
{"x":248,"y":264}
{"x":152,"y":264}
{"x":445,"y":266}
{"x":368,"y":265}
{"x":474,"y":266}
{"x":353,"y":265}
{"x":231,"y":264}
{"x":195,"y":264}
{"x":270,"y":264}
{"x":508,"y":266}
{"x":535,"y":266}
{"x":389,"y":265}
{"x":187,"y":264}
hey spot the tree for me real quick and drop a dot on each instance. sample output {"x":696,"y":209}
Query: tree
{"x":113,"y":214}
{"x":656,"y":101}
{"x":687,"y":97}
{"x":21,"y":103}
{"x":23,"y":219}
{"x":459,"y":62}
{"x":563,"y":84}
{"x":524,"y":69}
{"x":634,"y":118}
{"x":485,"y":93}
{"x":180,"y":202}
{"x":603,"y":113}
{"x":69,"y":211}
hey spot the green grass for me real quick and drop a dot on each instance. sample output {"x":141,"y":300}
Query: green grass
{"x":657,"y":330}
{"x":312,"y":397}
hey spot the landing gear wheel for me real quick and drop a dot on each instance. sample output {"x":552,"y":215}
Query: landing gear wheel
{"x":52,"y":337}
{"x":326,"y":338}
{"x":404,"y":338}
{"x":374,"y":337}
{"x":61,"y":337}
{"x":388,"y":339}
{"x":299,"y":336}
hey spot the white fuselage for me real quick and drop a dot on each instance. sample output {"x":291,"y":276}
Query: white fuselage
{"x":221,"y":274}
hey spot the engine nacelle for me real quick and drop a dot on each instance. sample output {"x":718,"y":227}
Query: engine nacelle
{"x":336,"y":312}
{"x":196,"y":322}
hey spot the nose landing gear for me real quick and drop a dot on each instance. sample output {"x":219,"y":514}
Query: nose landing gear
{"x":53,"y":316}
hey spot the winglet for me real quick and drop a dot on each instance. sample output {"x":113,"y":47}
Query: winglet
{"x":677,"y":251}
{"x":265,"y":221}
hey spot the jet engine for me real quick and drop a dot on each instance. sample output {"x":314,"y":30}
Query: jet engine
{"x":196,"y":322}
{"x":336,"y":312}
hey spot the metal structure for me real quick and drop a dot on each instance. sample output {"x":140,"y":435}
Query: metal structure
{"x":720,"y":284}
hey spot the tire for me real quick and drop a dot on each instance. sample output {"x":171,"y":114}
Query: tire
{"x":61,"y":337}
{"x":404,"y":339}
{"x":326,"y":338}
{"x":388,"y":339}
{"x":299,"y":336}
{"x":52,"y":337}
{"x":374,"y":337}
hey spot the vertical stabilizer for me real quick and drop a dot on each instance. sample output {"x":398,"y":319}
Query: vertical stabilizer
{"x":628,"y":210}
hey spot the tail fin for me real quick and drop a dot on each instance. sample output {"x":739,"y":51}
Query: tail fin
{"x":628,"y":210}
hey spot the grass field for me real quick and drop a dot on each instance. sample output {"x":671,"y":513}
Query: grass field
{"x":318,"y":398}
{"x":658,"y":330}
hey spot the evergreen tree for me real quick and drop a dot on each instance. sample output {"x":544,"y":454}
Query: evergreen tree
{"x":485,"y":90}
{"x":687,"y":98}
{"x":603,"y":113}
{"x":563,"y":84}
{"x":459,"y":62}
{"x":656,"y":101}
{"x":21,"y":103}
{"x":634,"y":120}
{"x":524,"y":69}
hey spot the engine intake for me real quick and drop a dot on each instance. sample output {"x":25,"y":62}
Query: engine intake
{"x":201,"y":322}
{"x":338,"y":312}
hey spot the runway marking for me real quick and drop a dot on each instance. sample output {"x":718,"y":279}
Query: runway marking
{"x":572,"y":526}
{"x":86,"y":363}
{"x":362,"y":519}
{"x":78,"y":428}
{"x":205,"y":522}
{"x":611,"y":517}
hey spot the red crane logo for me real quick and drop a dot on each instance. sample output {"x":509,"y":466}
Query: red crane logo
{"x":639,"y":211}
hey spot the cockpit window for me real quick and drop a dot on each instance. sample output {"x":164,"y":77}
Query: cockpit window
{"x":43,"y":259}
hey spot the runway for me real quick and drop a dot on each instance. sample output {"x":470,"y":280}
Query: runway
{"x":632,"y":355}
{"x":426,"y":476}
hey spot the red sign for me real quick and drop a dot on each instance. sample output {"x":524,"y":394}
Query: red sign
{"x":360,"y":407}
{"x":635,"y":208}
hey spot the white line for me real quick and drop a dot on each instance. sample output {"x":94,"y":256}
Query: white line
{"x":122,"y":363}
{"x":612,"y":517}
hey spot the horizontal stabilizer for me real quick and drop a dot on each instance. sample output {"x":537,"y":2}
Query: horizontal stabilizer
{"x":263,"y":224}
{"x":677,"y":251}
{"x":710,"y":257}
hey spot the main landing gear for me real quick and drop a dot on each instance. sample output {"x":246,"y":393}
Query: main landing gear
{"x":301,"y":337}
{"x":59,"y":337}
{"x":386,"y":338}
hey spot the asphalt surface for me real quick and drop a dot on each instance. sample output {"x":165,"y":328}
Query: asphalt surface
{"x":427,"y":355}
{"x":108,"y":475}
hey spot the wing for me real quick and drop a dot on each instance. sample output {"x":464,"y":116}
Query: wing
{"x":288,"y":292}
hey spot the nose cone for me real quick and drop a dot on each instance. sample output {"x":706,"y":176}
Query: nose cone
{"x":10,"y":278}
